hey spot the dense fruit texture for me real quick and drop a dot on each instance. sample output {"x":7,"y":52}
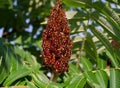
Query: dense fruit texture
{"x":56,"y":40}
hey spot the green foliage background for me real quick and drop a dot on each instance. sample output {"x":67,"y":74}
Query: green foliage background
{"x":95,"y":62}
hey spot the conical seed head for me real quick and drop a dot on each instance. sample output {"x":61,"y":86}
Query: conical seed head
{"x":56,"y":40}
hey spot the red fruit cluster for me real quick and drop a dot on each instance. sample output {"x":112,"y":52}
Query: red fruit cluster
{"x":56,"y":40}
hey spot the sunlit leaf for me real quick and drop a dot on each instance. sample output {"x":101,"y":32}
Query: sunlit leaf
{"x":101,"y":63}
{"x":16,"y":75}
{"x":114,"y":78}
{"x":92,"y":79}
{"x":77,"y":82}
{"x":102,"y":78}
{"x":87,"y":65}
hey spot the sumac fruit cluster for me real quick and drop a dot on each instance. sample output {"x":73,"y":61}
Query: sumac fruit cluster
{"x":56,"y":40}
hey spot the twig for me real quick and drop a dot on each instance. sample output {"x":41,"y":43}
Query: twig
{"x":54,"y":76}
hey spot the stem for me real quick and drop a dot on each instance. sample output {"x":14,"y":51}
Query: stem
{"x":82,"y":46}
{"x":54,"y":76}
